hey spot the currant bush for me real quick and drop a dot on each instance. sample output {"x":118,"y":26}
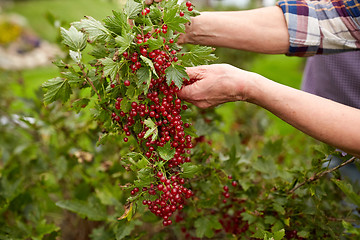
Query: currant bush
{"x":137,"y":71}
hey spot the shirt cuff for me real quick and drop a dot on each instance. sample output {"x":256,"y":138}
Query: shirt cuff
{"x":303,"y":27}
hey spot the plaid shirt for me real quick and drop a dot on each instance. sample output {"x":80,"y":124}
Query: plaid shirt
{"x":322,"y":27}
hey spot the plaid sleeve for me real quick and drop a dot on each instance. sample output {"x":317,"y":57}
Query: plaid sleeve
{"x":322,"y":27}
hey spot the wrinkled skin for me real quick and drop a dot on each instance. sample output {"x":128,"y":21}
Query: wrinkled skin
{"x":148,"y":2}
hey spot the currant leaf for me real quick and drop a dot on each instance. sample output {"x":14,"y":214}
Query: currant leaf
{"x":173,"y":21}
{"x":206,"y":225}
{"x":75,"y":56}
{"x":111,"y":68}
{"x":144,"y":75}
{"x":124,"y":42}
{"x":95,"y":29}
{"x":152,"y":129}
{"x":176,"y":74}
{"x":166,"y":152}
{"x":113,"y":24}
{"x":79,"y":104}
{"x":57,"y":89}
{"x":73,"y":38}
{"x":189,"y":170}
{"x":198,"y":55}
{"x":154,"y":43}
{"x":132,"y":9}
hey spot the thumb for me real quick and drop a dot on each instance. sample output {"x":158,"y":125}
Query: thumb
{"x":194,"y":73}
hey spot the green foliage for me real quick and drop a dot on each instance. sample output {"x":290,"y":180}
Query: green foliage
{"x":64,"y":175}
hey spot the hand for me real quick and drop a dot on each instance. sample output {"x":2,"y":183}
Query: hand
{"x":148,"y":2}
{"x":216,"y":84}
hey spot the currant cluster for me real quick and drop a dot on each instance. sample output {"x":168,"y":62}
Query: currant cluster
{"x":161,"y":107}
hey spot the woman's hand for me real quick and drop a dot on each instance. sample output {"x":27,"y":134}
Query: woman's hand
{"x":216,"y":84}
{"x":148,"y":2}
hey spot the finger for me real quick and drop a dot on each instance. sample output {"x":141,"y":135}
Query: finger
{"x":158,"y":0}
{"x":196,"y":73}
{"x":187,"y":92}
{"x":148,"y":2}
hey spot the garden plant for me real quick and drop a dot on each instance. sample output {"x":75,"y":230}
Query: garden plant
{"x":112,"y":153}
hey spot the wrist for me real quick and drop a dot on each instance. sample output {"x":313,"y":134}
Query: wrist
{"x":198,"y":30}
{"x":256,"y":89}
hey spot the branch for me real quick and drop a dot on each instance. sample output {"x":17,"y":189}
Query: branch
{"x":89,"y":80}
{"x":317,"y":176}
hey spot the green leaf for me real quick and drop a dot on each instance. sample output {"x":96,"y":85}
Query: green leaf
{"x":144,"y":75}
{"x":154,"y":43}
{"x":75,"y":56}
{"x":166,"y":152}
{"x":79,"y":104}
{"x":124,"y":229}
{"x":132,"y":9}
{"x":155,"y":13}
{"x":174,"y":21}
{"x":152,"y":129}
{"x":111,"y":68}
{"x":273,"y":148}
{"x":198,"y":55}
{"x":125,"y":105}
{"x":350,"y":229}
{"x":304,"y":234}
{"x":132,"y":92}
{"x":176,"y":73}
{"x":145,"y":176}
{"x":124,"y":42}
{"x":149,"y":63}
{"x":348,"y":190}
{"x":280,"y":209}
{"x":250,"y":218}
{"x":205,"y":226}
{"x":42,"y":228}
{"x":72,"y":77}
{"x":93,"y":28}
{"x":232,"y":156}
{"x":138,"y":160}
{"x":170,"y":4}
{"x":57,"y":88}
{"x":73,"y":38}
{"x":189,"y":170}
{"x":113,"y":24}
{"x":100,"y":233}
{"x":279,"y":234}
{"x":99,"y":51}
{"x":91,"y":209}
{"x":59,"y":63}
{"x":270,"y":220}
{"x":122,"y":19}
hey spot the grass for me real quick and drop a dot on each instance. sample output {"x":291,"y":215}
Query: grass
{"x":65,"y":11}
{"x":284,"y":70}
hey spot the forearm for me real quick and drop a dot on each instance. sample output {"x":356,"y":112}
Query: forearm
{"x":261,"y":30}
{"x":323,"y":119}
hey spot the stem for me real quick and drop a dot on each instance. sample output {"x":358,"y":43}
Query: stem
{"x":341,"y":219}
{"x":317,"y":176}
{"x":89,"y":80}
